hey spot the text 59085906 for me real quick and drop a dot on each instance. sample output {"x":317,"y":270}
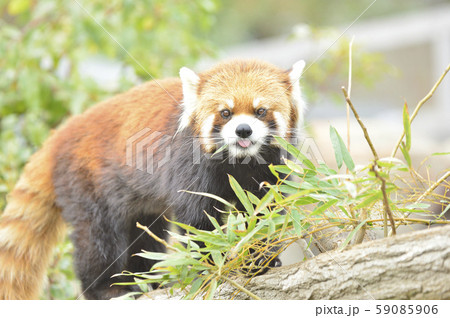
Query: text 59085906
{"x":406,"y":309}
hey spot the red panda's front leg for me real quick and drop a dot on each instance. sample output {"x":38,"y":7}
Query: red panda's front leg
{"x":99,"y":253}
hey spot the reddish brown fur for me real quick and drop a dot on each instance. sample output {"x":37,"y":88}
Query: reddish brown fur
{"x":29,"y":228}
{"x":32,"y":224}
{"x":254,"y":79}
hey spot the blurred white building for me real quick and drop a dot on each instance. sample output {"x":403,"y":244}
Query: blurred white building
{"x":417,"y":45}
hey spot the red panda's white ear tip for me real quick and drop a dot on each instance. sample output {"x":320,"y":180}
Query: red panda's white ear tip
{"x":299,"y":65}
{"x":297,"y":70}
{"x":188,"y":76}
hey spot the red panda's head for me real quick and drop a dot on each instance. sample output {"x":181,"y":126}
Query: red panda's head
{"x":241,"y":104}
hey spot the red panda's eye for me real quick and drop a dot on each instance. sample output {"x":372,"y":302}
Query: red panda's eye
{"x":225,"y":113}
{"x":261,"y":112}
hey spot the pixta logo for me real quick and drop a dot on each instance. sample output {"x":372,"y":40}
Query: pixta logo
{"x":148,"y":150}
{"x":141,"y":150}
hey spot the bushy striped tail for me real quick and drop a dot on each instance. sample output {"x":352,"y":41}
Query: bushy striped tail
{"x":30,"y":227}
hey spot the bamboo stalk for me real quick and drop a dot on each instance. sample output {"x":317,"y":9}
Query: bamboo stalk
{"x":349,"y":85}
{"x":366,"y":134}
{"x":387,"y":208}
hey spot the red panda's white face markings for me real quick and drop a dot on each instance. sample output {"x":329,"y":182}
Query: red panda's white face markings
{"x":207,"y":139}
{"x":241,"y":104}
{"x":229,"y":102}
{"x":244,"y":134}
{"x":282,"y":124}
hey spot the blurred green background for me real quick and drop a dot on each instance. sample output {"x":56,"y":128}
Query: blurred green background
{"x":47,"y":49}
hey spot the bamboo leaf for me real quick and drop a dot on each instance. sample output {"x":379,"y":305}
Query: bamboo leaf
{"x":265,"y":201}
{"x":405,"y":153}
{"x":212,"y":196}
{"x":319,"y":209}
{"x":296,"y":221}
{"x":152,"y":255}
{"x":271,"y":227}
{"x":370,"y":199}
{"x":296,"y":195}
{"x":141,"y":284}
{"x":340,"y":150}
{"x":198,"y":282}
{"x":440,"y":153}
{"x":219,"y":150}
{"x":351,"y":234}
{"x":282,"y":168}
{"x":287,"y":189}
{"x":253,"y":198}
{"x":214,"y":223}
{"x":249,"y":235}
{"x":336,"y":146}
{"x":179,"y":261}
{"x":217,"y":258}
{"x":295,"y":152}
{"x":231,"y":223}
{"x":211,"y":289}
{"x":293,"y":166}
{"x":274,"y":171}
{"x":407,"y":127}
{"x":241,"y":195}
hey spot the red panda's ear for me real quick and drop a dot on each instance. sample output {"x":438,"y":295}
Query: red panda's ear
{"x":294,"y":75}
{"x":189,"y":81}
{"x":296,"y":72}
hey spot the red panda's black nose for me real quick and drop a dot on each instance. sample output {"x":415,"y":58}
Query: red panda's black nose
{"x":243,"y":130}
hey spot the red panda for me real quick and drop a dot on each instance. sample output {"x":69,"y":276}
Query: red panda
{"x":124,"y":161}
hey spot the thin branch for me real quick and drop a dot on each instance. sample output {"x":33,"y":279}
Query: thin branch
{"x":350,"y":45}
{"x":419,"y":105}
{"x":366,"y":134}
{"x":411,"y":221}
{"x":433,"y":186}
{"x":430,"y":189}
{"x":146,"y":229}
{"x":387,"y":207}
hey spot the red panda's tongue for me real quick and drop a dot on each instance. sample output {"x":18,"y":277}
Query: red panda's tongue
{"x":244,"y":143}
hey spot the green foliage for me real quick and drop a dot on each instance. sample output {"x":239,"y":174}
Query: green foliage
{"x":325,"y":73}
{"x":62,"y":283}
{"x":44,"y":46}
{"x":340,"y":150}
{"x":315,"y":198}
{"x":405,"y":146}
